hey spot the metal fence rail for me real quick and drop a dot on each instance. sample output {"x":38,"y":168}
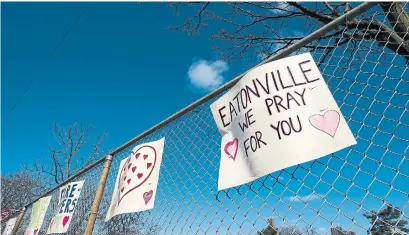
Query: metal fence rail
{"x":371,"y":86}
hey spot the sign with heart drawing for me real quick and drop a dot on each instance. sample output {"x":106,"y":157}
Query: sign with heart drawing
{"x":278,"y":115}
{"x":137,"y":180}
{"x":68,"y":200}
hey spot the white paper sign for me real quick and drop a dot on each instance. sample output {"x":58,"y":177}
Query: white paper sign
{"x":68,"y":200}
{"x":37,"y":215}
{"x":9,"y":226}
{"x":278,"y":115}
{"x":137,"y":180}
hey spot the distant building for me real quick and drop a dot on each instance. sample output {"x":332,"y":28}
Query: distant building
{"x":270,"y":230}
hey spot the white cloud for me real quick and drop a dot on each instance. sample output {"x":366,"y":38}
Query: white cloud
{"x":262,"y":56}
{"x":277,"y":46}
{"x":207,"y":75}
{"x":297,"y":33}
{"x":284,"y":6}
{"x":291,"y":33}
{"x":304,"y":198}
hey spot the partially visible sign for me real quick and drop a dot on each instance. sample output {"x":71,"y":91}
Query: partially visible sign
{"x":278,"y":115}
{"x":37,"y":215}
{"x":137,"y":180}
{"x":68,"y":199}
{"x":9,"y":226}
{"x":6,"y":213}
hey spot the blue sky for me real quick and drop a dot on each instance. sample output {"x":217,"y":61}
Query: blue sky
{"x":119,"y":62}
{"x":122,"y":71}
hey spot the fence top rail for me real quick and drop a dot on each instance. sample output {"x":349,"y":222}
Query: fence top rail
{"x":68,"y":180}
{"x":285,"y":52}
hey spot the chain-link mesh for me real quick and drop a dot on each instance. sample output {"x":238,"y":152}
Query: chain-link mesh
{"x":82,"y":208}
{"x":371,"y":86}
{"x":13,"y":215}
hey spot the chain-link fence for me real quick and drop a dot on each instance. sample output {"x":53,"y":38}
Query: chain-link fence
{"x":371,"y":86}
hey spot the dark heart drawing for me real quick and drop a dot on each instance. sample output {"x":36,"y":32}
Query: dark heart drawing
{"x":147,"y":196}
{"x":231,"y":148}
{"x":65,"y":220}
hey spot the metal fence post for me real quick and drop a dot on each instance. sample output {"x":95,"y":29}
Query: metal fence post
{"x":98,"y":196}
{"x":18,"y":222}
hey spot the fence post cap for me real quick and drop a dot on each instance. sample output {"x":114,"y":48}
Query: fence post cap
{"x":108,"y":157}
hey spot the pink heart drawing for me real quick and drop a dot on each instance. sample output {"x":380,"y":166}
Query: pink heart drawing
{"x":327,"y":123}
{"x":231,"y":148}
{"x":147,"y":196}
{"x":65,"y":220}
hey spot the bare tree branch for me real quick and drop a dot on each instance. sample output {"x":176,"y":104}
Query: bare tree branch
{"x":312,"y":13}
{"x":19,"y":188}
{"x":67,"y":158}
{"x":398,"y":18}
{"x":251,"y":29}
{"x":335,"y":12}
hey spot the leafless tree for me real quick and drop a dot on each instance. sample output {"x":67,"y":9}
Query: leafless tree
{"x":17,"y":189}
{"x":289,"y":230}
{"x":250,"y":29}
{"x":125,"y":225}
{"x":286,"y":229}
{"x":338,"y":230}
{"x":76,"y":148}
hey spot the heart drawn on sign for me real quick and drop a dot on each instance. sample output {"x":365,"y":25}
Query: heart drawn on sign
{"x":327,"y":123}
{"x":231,"y":148}
{"x":134,"y":172}
{"x":65,"y":220}
{"x":147,"y":196}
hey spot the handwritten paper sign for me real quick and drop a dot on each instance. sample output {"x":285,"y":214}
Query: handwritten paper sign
{"x":9,"y":226}
{"x":37,"y":215}
{"x":137,"y":180}
{"x":68,"y":199}
{"x":278,"y":115}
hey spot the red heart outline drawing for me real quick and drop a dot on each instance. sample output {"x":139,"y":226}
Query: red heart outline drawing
{"x":136,"y":155}
{"x":65,"y":220}
{"x":147,"y":196}
{"x":234,"y":143}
